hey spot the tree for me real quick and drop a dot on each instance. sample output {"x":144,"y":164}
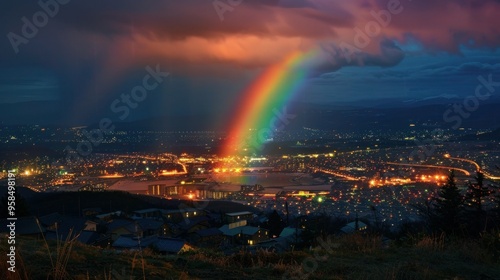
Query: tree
{"x":476,"y":192}
{"x":275,"y":224}
{"x":426,"y":209}
{"x":449,"y":205}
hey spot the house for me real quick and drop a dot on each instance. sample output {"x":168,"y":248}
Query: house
{"x":209,"y":237}
{"x":289,"y":237}
{"x":119,"y":227}
{"x":178,"y":215}
{"x":150,"y":213}
{"x":91,"y":225}
{"x":291,"y":233}
{"x":175,"y":229}
{"x":246,"y":235}
{"x":61,"y":227}
{"x":132,"y":242}
{"x":194,"y":224}
{"x":51,"y":221}
{"x":353,"y":226}
{"x":109,"y":216}
{"x":150,"y":227}
{"x":238,"y":216}
{"x":166,"y":245}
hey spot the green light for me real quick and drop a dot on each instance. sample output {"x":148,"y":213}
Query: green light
{"x":320,"y":199}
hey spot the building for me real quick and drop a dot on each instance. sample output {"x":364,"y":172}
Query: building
{"x":210,"y":237}
{"x":158,"y":189}
{"x":251,"y":188}
{"x":150,"y":213}
{"x":178,"y":215}
{"x":171,"y":245}
{"x":151,"y":227}
{"x":238,"y":216}
{"x":194,"y":224}
{"x":353,"y":226}
{"x":245,"y":235}
{"x":192,"y":190}
{"x":64,"y":227}
{"x":122,"y":227}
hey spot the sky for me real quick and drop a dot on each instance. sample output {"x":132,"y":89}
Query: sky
{"x":71,"y":59}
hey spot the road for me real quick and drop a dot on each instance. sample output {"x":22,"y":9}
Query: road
{"x":478,"y":167}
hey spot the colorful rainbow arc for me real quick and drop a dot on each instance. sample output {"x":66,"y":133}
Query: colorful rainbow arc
{"x":255,"y":118}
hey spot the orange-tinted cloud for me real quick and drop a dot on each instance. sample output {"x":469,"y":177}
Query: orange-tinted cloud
{"x":257,"y":33}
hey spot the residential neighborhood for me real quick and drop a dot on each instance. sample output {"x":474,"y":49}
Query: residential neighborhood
{"x":166,"y":231}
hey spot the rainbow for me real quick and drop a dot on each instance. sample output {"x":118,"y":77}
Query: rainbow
{"x":256,"y":118}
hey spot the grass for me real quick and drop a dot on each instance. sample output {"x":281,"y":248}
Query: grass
{"x":352,"y":257}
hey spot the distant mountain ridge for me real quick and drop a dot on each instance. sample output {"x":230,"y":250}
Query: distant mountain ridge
{"x":380,"y":113}
{"x":494,"y":135}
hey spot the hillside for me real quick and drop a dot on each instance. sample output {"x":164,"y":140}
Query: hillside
{"x":348,"y":257}
{"x":72,"y":203}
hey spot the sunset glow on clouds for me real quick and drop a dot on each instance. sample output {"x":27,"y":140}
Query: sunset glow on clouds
{"x":97,"y":44}
{"x":255,"y":33}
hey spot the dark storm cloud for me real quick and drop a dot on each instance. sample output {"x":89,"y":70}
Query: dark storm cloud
{"x":98,"y":49}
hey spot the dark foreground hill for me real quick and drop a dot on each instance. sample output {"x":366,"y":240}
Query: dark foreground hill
{"x":347,"y":257}
{"x":73,"y":203}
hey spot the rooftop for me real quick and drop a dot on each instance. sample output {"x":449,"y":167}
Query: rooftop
{"x":239,"y":213}
{"x":246,"y":230}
